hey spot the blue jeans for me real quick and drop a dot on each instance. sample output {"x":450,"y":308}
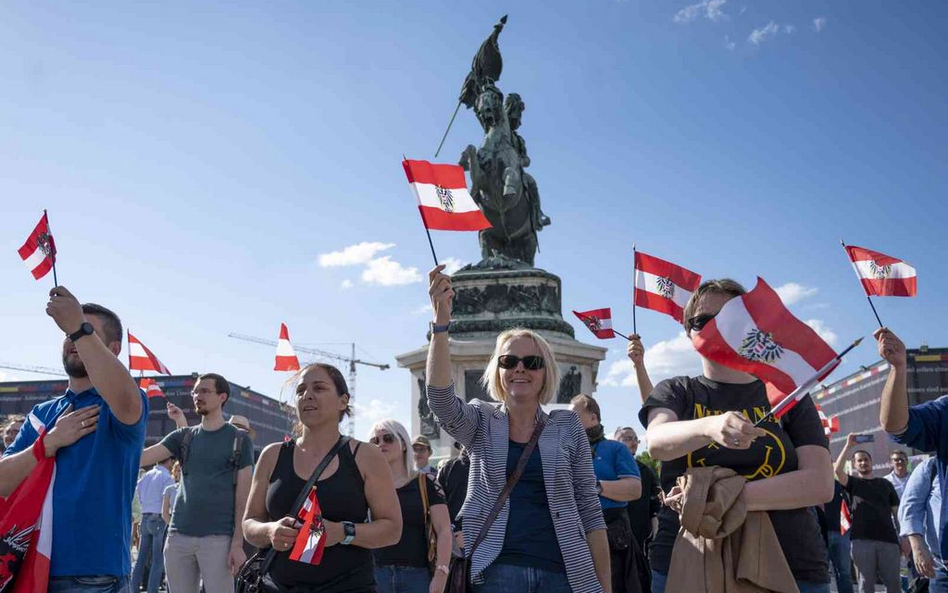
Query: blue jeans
{"x":88,"y":584}
{"x":839,"y":550}
{"x":402,"y":579}
{"x":152,"y":546}
{"x":940,"y":583}
{"x":659,"y":580}
{"x":506,"y":578}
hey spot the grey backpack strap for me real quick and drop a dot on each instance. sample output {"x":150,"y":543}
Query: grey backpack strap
{"x":184,"y":450}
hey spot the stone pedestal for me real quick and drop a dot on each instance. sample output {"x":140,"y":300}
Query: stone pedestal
{"x":488,"y":301}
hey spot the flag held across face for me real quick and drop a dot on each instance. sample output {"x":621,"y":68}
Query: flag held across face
{"x":443,"y":199}
{"x":881,"y":274}
{"x":756,"y":334}
{"x":663,"y":286}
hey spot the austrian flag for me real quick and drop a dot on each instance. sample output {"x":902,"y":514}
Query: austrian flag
{"x":39,"y":250}
{"x":310,"y":543}
{"x":286,"y":359}
{"x":443,"y":199}
{"x":881,"y":274}
{"x":140,"y":358}
{"x":599,"y":322}
{"x":755,"y":333}
{"x":663,"y":286}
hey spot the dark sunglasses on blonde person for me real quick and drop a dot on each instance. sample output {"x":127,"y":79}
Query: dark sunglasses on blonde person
{"x":386,"y":438}
{"x":509,"y":361}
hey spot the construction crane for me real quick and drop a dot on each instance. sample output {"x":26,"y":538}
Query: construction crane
{"x":32,"y":369}
{"x":352,"y":361}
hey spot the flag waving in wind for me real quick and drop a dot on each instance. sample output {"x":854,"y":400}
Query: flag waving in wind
{"x":755,"y":333}
{"x":140,"y":358}
{"x":443,"y":199}
{"x":151,"y":387}
{"x":881,"y":274}
{"x":39,"y":250}
{"x":286,"y":359}
{"x":663,"y":286}
{"x":599,"y":322}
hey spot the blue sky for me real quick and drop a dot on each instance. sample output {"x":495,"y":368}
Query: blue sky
{"x":198,"y":158}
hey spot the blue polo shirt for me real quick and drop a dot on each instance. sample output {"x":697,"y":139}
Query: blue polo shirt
{"x":92,"y":494}
{"x":928,"y":431}
{"x":613,"y":460}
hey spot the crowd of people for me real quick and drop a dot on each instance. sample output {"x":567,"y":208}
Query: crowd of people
{"x":535,"y":501}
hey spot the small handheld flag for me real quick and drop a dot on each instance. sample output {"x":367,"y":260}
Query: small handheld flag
{"x":310,"y":542}
{"x":599,"y":322}
{"x":881,"y":275}
{"x":286,"y":359}
{"x":663,"y":286}
{"x":39,"y":250}
{"x":140,"y":358}
{"x":151,"y":388}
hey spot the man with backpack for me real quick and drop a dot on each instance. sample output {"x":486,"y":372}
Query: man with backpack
{"x":205,"y":541}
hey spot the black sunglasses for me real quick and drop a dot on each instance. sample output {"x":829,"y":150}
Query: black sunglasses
{"x":387,"y":438}
{"x":698,"y":322}
{"x":509,"y":361}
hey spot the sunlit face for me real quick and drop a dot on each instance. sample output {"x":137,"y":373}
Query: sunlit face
{"x":586,"y":418}
{"x":317,"y":400}
{"x":629,"y":439}
{"x":205,"y":397}
{"x":519,"y":383}
{"x":862,"y":463}
{"x":10,"y":432}
{"x":899,"y":463}
{"x":392,"y":447}
{"x":72,"y":364}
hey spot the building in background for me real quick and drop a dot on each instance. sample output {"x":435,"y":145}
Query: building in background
{"x":855,"y":399}
{"x":271,"y":420}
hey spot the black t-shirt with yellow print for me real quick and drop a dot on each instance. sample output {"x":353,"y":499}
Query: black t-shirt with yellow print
{"x":691,"y":398}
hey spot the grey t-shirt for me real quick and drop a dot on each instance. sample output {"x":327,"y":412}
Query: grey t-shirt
{"x":205,"y":501}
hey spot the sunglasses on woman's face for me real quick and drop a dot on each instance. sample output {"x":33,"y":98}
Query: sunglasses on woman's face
{"x":509,"y":361}
{"x":698,"y":322}
{"x":387,"y":438}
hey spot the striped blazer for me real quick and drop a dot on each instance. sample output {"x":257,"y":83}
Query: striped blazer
{"x":568,"y":477}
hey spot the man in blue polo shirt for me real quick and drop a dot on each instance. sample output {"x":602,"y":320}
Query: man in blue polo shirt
{"x":96,"y":456}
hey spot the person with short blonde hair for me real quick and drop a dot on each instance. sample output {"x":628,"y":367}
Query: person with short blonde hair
{"x":549,"y":535}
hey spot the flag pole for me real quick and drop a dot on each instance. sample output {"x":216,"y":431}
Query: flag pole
{"x":868,"y":298}
{"x":801,"y":391}
{"x":450,"y":123}
{"x":622,"y":335}
{"x":49,"y":229}
{"x":424,"y":221}
{"x":634,"y":288}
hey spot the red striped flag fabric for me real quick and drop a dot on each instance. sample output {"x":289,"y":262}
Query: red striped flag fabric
{"x":599,"y":322}
{"x":150,"y":387}
{"x":663,"y":286}
{"x":845,"y":518}
{"x":881,"y":274}
{"x":830,"y":425}
{"x":39,"y":250}
{"x":310,"y":543}
{"x":443,"y":199}
{"x":140,"y":358}
{"x":286,"y":359}
{"x":755,"y":333}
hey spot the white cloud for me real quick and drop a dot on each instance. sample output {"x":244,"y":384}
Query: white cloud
{"x":386,"y":272}
{"x":665,"y":359}
{"x":451,"y":265}
{"x":353,"y":255}
{"x":346,"y":284}
{"x":819,"y":326}
{"x":711,"y":9}
{"x":792,"y":293}
{"x":728,"y":43}
{"x":377,"y":409}
{"x":422,"y":310}
{"x":819,"y":23}
{"x":764,"y":33}
{"x":788,"y":29}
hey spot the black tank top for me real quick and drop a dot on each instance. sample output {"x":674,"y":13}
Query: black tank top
{"x":344,"y":569}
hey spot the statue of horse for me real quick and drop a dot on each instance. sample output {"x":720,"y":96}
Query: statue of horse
{"x":497,"y":183}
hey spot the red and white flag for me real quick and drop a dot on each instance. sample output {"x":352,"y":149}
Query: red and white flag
{"x":39,"y":250}
{"x":881,"y":274}
{"x":286,"y":359}
{"x":310,"y":543}
{"x":663,"y":286}
{"x":151,"y":387}
{"x":755,"y":333}
{"x":443,"y":199}
{"x":599,"y":322}
{"x":845,"y":518}
{"x":140,"y":358}
{"x":830,"y":425}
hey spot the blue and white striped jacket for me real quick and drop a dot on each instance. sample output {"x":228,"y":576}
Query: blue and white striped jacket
{"x":568,"y":476}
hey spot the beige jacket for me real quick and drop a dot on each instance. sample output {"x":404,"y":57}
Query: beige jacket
{"x":721,"y":548}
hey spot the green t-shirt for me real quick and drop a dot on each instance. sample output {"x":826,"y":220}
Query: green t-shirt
{"x":205,"y":501}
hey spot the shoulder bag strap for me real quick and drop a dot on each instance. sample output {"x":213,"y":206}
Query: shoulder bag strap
{"x":423,"y":487}
{"x":509,"y":486}
{"x":304,"y":493}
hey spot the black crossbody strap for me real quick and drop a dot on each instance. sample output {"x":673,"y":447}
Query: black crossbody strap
{"x":509,"y":486}
{"x":304,"y":493}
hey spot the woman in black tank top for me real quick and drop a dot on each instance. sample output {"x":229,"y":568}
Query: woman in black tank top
{"x":354,"y":485}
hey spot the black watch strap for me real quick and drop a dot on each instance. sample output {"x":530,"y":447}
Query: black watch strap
{"x":84,"y":330}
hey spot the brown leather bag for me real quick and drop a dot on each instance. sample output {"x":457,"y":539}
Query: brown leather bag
{"x":459,"y":580}
{"x":430,"y":535}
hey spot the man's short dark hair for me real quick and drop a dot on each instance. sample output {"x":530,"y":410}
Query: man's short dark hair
{"x":112,"y":325}
{"x":866,"y":453}
{"x":221,"y":385}
{"x":588,"y":403}
{"x":898,"y":452}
